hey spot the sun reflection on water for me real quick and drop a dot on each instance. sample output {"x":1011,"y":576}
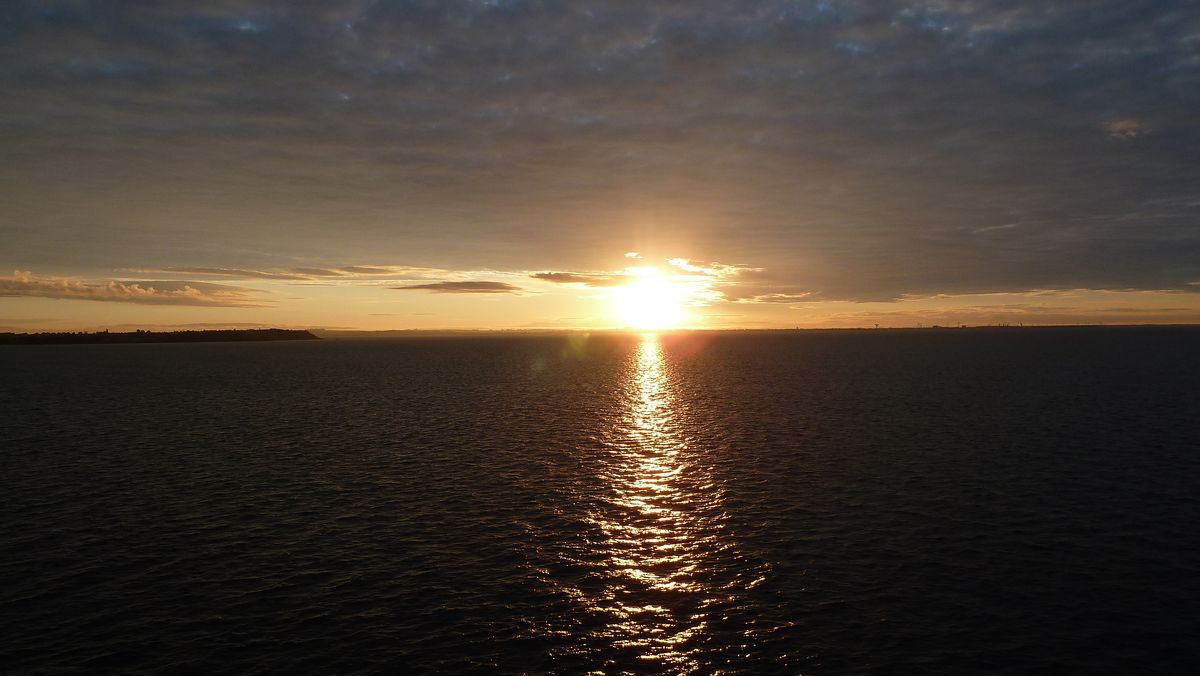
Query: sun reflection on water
{"x":660,"y":528}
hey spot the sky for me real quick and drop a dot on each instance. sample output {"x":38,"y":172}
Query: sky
{"x":510,"y":164}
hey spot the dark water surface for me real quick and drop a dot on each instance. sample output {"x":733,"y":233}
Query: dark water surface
{"x":826,"y":503}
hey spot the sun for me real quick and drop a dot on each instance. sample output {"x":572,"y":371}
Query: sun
{"x":650,"y":302}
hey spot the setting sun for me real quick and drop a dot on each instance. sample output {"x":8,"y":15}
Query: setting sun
{"x":650,"y":302}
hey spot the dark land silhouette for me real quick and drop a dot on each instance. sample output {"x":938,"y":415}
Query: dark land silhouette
{"x":104,"y":337}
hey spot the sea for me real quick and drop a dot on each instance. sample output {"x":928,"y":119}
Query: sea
{"x":992,"y":501}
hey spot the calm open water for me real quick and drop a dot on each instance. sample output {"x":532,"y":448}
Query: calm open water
{"x":827,"y":503}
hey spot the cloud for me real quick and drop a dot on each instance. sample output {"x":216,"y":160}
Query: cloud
{"x":299,"y":274}
{"x":376,"y":273}
{"x":232,"y":273}
{"x":863,"y":149}
{"x":462,"y":287}
{"x":317,"y":272}
{"x":776,"y":298}
{"x":684,"y":270}
{"x":712,"y":269}
{"x":700,"y":283}
{"x":1124,"y":128}
{"x":144,"y":292}
{"x":581,"y":278}
{"x":371,"y":270}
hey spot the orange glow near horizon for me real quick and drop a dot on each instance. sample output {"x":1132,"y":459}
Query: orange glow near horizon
{"x":650,"y":302}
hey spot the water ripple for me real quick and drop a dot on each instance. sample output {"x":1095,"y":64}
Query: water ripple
{"x":826,"y":503}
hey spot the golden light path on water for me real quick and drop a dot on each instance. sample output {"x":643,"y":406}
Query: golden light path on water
{"x":662,"y":528}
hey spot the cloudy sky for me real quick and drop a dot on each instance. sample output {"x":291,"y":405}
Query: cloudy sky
{"x":502,"y":164}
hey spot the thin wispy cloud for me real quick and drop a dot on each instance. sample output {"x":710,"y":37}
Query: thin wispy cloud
{"x":1124,"y":128}
{"x":316,"y":272}
{"x":374,"y":270}
{"x":461,"y":287}
{"x":299,"y":274}
{"x":143,"y":292}
{"x":232,"y":273}
{"x":776,"y":298}
{"x":581,"y":279}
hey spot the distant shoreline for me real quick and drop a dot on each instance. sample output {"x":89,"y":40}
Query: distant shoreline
{"x":336,"y":334}
{"x":108,"y":337}
{"x":266,"y":335}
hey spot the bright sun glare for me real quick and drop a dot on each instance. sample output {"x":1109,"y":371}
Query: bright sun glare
{"x":650,"y":302}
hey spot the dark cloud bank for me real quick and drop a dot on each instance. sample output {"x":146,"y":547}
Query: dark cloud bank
{"x":855,"y":150}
